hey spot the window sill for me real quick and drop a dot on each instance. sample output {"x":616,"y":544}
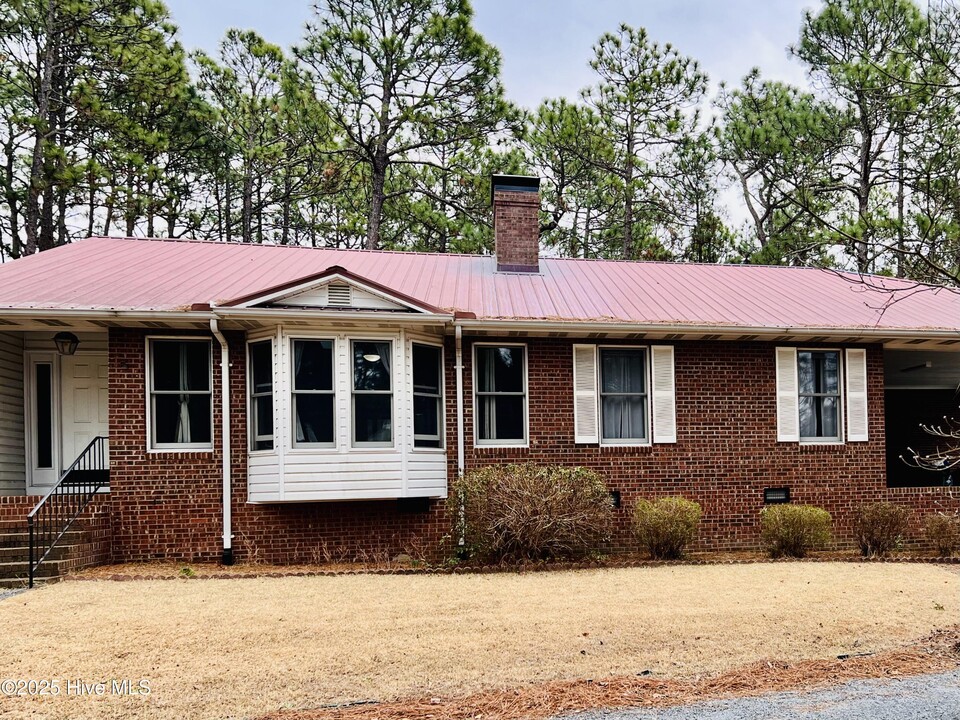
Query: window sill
{"x":179,"y":451}
{"x":500,"y":446}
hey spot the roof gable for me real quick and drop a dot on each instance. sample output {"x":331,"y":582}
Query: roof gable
{"x":333,"y":289}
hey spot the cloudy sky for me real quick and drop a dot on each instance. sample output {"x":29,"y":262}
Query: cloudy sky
{"x":546,"y":44}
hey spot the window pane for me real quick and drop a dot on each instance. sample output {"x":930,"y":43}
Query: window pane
{"x":624,"y":417}
{"x":500,"y":417}
{"x":426,"y":369}
{"x":500,"y":369}
{"x":313,"y":416}
{"x":819,"y":372}
{"x":44,"y":416}
{"x":819,"y":417}
{"x":181,"y":365}
{"x":182,"y":418}
{"x":372,"y":418}
{"x":426,"y":418}
{"x":622,"y":371}
{"x":371,"y":365}
{"x":261,"y":367}
{"x":263,"y":422}
{"x":313,"y":364}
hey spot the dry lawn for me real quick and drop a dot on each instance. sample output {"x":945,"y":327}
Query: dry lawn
{"x":241,"y":648}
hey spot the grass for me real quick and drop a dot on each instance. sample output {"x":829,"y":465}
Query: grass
{"x":241,"y":648}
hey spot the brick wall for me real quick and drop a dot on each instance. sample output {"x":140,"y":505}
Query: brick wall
{"x":726,"y":451}
{"x":168,"y":505}
{"x":516,"y":229}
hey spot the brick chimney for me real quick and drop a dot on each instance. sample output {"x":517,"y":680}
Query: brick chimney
{"x":516,"y":223}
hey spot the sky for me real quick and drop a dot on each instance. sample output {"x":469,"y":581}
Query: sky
{"x":546,"y":44}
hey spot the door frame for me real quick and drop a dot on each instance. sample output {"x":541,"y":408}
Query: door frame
{"x":46,"y":477}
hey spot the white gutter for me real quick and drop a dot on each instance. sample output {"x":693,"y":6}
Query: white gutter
{"x":225,"y":440}
{"x":733,"y":331}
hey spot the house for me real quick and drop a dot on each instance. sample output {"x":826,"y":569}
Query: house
{"x":295,"y":404}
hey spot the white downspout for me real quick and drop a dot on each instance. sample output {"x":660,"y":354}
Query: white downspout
{"x":461,"y":451}
{"x":225,"y":440}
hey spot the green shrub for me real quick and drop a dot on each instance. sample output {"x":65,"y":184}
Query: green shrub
{"x":533,"y":512}
{"x":794,"y":530}
{"x":879,"y":527}
{"x":666,"y":526}
{"x":944,"y":532}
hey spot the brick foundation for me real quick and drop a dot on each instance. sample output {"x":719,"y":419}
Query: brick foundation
{"x":168,"y":505}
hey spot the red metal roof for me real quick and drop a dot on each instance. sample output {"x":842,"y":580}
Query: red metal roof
{"x":163,"y":275}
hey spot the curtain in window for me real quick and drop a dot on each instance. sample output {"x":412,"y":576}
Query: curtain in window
{"x":623,"y":415}
{"x":305,"y":432}
{"x":489,"y":382}
{"x":183,"y":420}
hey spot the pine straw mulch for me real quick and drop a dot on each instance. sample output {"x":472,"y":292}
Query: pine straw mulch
{"x":939,"y":652}
{"x":166,"y":570}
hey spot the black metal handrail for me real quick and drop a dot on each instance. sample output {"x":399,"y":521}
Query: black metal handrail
{"x":59,"y":508}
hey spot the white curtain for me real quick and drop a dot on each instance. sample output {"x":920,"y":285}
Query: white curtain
{"x":489,"y":430}
{"x":623,"y":414}
{"x":183,"y":420}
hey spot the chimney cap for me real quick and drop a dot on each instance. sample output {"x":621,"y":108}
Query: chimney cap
{"x":514,"y":183}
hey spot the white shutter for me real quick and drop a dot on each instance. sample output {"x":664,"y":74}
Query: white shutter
{"x":664,"y":395}
{"x":857,"y":395}
{"x":788,"y":404}
{"x":585,"y":413}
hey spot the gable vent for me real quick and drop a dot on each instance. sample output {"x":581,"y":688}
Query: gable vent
{"x":338,"y":294}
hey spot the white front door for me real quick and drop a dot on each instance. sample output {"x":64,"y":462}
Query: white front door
{"x":83,"y":403}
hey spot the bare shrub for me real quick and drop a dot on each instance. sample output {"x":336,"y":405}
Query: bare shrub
{"x":879,"y":527}
{"x":794,"y":530}
{"x":943,"y":531}
{"x":666,"y":526}
{"x":533,"y":512}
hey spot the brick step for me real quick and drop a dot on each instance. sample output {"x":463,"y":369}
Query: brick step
{"x":20,"y":569}
{"x":17,"y":553}
{"x":18,"y":538}
{"x":15,"y":583}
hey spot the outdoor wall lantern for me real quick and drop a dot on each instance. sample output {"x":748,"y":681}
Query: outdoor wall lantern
{"x":66,"y":343}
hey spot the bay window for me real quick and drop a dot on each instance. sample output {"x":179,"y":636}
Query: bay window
{"x":372,"y":392}
{"x":261,"y":395}
{"x":313,"y":393}
{"x":500,"y":395}
{"x":181,"y":393}
{"x":427,"y":396}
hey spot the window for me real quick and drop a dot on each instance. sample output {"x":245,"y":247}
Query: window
{"x":500,"y":395}
{"x":181,"y":407}
{"x":261,"y":395}
{"x":44,"y":421}
{"x":623,"y":394}
{"x":427,"y":396}
{"x":372,"y":393}
{"x":313,"y":393}
{"x":819,"y":394}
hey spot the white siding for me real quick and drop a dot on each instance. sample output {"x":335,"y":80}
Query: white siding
{"x":12,"y":457}
{"x":345,"y":472}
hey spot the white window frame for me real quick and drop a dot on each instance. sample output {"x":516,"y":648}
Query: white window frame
{"x":648,"y":378}
{"x":362,"y":445}
{"x":441,"y":419}
{"x":841,"y":399}
{"x":152,"y":445}
{"x":525,"y":442}
{"x":38,"y":477}
{"x":292,"y":392}
{"x":251,"y":405}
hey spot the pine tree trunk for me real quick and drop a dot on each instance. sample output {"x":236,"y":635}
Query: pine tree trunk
{"x":378,"y":182}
